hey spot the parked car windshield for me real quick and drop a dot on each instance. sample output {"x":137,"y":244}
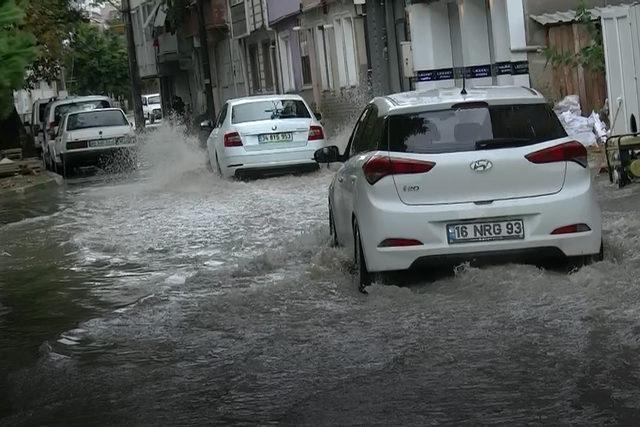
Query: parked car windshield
{"x":470,"y":129}
{"x":269,"y":110}
{"x":63,"y":109}
{"x":96,"y":119}
{"x":154,"y":100}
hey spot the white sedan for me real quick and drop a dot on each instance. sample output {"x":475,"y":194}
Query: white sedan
{"x":93,"y":137}
{"x":441,"y":176}
{"x":264,"y":134}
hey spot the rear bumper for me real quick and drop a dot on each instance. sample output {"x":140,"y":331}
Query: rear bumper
{"x":238,"y":161}
{"x":94,"y":156}
{"x":428,"y":224}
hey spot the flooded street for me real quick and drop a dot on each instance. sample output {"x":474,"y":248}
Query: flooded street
{"x":174,"y":297}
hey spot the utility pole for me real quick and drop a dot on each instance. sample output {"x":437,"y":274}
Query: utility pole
{"x":134,"y":71}
{"x":204,"y":56}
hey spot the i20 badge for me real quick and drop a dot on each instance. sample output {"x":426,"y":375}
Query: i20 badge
{"x":481,"y":165}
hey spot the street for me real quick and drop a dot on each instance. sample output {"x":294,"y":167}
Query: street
{"x":170,"y":296}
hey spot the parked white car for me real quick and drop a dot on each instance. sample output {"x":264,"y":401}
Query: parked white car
{"x":87,"y":138}
{"x":264,"y":134}
{"x":152,"y":107}
{"x":55,"y":112}
{"x":37,"y":122}
{"x":437,"y":176}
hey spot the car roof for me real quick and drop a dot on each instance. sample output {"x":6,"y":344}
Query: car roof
{"x":248,"y":99}
{"x":444,"y":98}
{"x":149,"y":95}
{"x":75,"y":99}
{"x":94,"y":110}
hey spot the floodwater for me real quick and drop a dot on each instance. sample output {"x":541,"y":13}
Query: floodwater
{"x":172,"y":297}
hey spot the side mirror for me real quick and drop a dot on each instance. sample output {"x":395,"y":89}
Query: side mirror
{"x":56,"y":131}
{"x":329,"y":154}
{"x":318,"y":116}
{"x":206,"y":125}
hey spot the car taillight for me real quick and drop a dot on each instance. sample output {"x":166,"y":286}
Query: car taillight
{"x":570,"y":229}
{"x":399,"y":243}
{"x":316,"y":133}
{"x":568,"y":152}
{"x":378,"y":167}
{"x":232,"y":140}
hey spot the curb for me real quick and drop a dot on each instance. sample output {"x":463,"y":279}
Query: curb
{"x":44,"y":180}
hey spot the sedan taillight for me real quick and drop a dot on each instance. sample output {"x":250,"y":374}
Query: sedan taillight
{"x":377,"y":167}
{"x":568,"y":152}
{"x":316,"y":133}
{"x":232,"y":139}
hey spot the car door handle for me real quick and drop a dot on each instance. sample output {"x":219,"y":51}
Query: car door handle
{"x":340,"y":179}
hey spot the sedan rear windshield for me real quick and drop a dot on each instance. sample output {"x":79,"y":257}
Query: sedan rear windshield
{"x":154,"y":100}
{"x":475,"y":128}
{"x":63,"y":109}
{"x":94,"y":119}
{"x":269,"y":110}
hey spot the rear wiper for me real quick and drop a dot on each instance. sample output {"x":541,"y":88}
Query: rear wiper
{"x":497,"y":143}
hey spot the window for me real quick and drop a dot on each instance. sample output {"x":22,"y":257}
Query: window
{"x":304,"y":57}
{"x":324,"y":57}
{"x":238,"y":14}
{"x":449,"y":131}
{"x":357,"y":132}
{"x":266,"y":64}
{"x":223,"y":115}
{"x":254,"y":67}
{"x":346,"y":52}
{"x":269,"y":110}
{"x":287,"y":64}
{"x":96,"y":119}
{"x":63,"y":109}
{"x":369,"y":132}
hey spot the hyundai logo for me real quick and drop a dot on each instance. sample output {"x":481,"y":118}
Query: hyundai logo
{"x":274,"y":127}
{"x":481,"y":165}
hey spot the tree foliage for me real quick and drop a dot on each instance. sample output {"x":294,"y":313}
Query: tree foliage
{"x":590,"y":57}
{"x":96,"y":62}
{"x":16,"y":52}
{"x":52,"y":22}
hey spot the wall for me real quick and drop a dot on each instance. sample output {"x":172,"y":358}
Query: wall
{"x":279,"y":9}
{"x":338,"y":103}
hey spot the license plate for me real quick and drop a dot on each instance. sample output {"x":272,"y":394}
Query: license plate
{"x":102,"y":143}
{"x":485,"y":231}
{"x":268,"y":138}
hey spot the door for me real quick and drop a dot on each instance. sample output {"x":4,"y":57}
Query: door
{"x":347,"y":176}
{"x":214,"y":140}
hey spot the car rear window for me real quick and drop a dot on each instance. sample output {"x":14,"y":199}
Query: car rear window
{"x":63,"y":109}
{"x":473,"y":128}
{"x":269,"y":110}
{"x":96,"y":119}
{"x":154,"y":100}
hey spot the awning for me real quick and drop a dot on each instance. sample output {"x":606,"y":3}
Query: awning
{"x":152,"y":15}
{"x":563,"y":17}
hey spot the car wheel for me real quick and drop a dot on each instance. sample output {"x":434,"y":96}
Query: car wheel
{"x":66,"y":168}
{"x":332,"y":229}
{"x":209,"y":165}
{"x":362,"y":275}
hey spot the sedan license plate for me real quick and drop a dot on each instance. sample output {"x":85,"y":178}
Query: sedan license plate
{"x":102,"y":142}
{"x":485,"y":231}
{"x":268,"y":138}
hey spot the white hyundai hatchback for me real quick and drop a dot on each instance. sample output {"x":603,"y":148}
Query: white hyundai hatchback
{"x":439,"y":176}
{"x":264,"y":134}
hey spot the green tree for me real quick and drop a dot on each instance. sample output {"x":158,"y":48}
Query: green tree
{"x":16,"y":53}
{"x":52,"y":22}
{"x":96,"y":62}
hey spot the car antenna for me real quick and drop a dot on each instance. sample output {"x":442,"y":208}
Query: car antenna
{"x":464,"y":82}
